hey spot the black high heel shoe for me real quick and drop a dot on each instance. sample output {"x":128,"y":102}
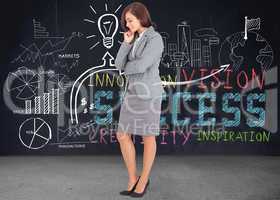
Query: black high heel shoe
{"x":136,"y":194}
{"x":128,"y":192}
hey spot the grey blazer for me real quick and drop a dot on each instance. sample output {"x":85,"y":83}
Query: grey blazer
{"x":141,"y":69}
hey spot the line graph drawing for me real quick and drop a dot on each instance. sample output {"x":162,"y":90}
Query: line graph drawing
{"x":76,"y":133}
{"x":70,"y":132}
{"x":67,"y":65}
{"x":35,"y":133}
{"x":33,"y":53}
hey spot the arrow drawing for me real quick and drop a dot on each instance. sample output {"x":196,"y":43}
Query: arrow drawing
{"x":222,"y":68}
{"x":87,"y":74}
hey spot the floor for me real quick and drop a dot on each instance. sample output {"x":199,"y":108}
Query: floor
{"x":172,"y":177}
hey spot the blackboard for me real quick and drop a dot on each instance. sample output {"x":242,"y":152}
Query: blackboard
{"x":61,"y":92}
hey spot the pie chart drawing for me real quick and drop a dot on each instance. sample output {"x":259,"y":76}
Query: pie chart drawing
{"x":34,"y":133}
{"x":61,"y":81}
{"x":23,"y":83}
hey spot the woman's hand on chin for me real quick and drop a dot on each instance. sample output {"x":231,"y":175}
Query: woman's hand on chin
{"x":128,"y":36}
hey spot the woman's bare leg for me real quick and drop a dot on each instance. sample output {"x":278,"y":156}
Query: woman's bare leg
{"x":129,"y":156}
{"x":149,"y":154}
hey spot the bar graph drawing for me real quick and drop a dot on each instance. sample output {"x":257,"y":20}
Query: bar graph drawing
{"x":41,"y":31}
{"x":48,"y":103}
{"x":37,"y":109}
{"x":28,"y":106}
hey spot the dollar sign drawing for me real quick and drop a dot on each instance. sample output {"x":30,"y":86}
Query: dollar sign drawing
{"x":84,"y":102}
{"x":91,"y":107}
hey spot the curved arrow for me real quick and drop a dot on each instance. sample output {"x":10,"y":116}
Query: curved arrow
{"x":222,"y":68}
{"x":77,"y":84}
{"x":88,"y":73}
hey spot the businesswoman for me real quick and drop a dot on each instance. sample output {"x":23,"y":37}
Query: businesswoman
{"x":139,"y":57}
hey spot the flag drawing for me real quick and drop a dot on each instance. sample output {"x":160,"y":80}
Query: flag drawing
{"x":251,"y":24}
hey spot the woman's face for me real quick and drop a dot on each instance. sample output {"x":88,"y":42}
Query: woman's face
{"x":132,"y":23}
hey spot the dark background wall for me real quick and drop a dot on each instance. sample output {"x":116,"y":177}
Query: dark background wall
{"x":50,"y":44}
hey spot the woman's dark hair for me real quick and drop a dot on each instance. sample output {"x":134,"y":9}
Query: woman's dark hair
{"x":140,"y":11}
